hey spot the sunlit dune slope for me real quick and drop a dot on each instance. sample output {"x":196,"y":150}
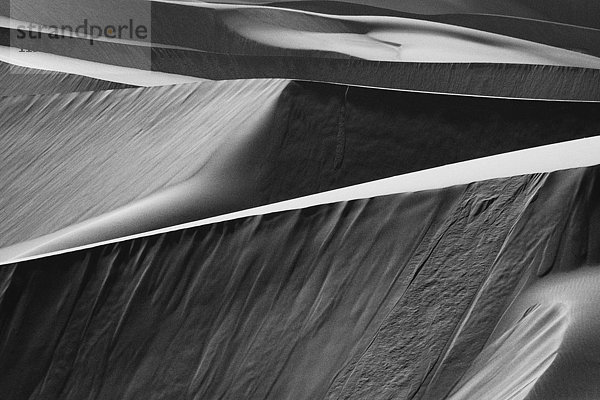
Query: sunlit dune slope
{"x":227,"y":146}
{"x":393,"y":296}
{"x":566,"y":36}
{"x":95,"y":151}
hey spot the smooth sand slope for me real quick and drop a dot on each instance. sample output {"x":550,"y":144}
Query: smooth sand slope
{"x":227,"y":146}
{"x":95,"y":151}
{"x":395,"y":296}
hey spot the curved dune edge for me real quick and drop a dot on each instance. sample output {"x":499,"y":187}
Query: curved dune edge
{"x":403,"y":40}
{"x":155,"y":208}
{"x":106,"y":72}
{"x":576,"y":358}
{"x":510,"y":366}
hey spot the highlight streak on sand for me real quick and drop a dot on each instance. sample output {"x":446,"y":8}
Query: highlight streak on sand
{"x":574,"y":364}
{"x":107,"y":72}
{"x":103,"y":229}
{"x":510,"y":366}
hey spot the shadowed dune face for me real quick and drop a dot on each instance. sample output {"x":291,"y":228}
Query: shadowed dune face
{"x":289,"y":305}
{"x":275,"y":141}
{"x":407,"y":131}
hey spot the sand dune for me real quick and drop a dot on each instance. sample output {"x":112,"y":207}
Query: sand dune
{"x":190,"y":198}
{"x":95,"y":151}
{"x":566,"y":36}
{"x":277,"y":141}
{"x":306,"y":200}
{"x":387,"y":52}
{"x":247,"y":30}
{"x":396,"y":39}
{"x":288,"y":305}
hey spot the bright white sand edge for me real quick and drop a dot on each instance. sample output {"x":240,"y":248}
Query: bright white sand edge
{"x":566,"y":155}
{"x":107,"y":72}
